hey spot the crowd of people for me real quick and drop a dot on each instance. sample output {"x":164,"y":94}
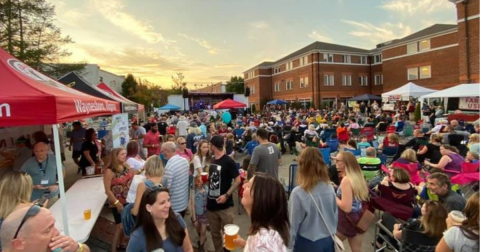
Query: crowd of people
{"x":192,"y":164}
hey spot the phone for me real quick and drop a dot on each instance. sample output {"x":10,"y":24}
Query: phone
{"x":42,"y":200}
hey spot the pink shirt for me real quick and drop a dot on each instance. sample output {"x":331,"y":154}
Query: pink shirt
{"x":152,"y":138}
{"x":187,"y":154}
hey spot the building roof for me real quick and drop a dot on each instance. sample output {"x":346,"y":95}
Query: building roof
{"x":436,"y":28}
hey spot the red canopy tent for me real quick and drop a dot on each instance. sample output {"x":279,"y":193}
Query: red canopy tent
{"x":106,"y":88}
{"x":228,"y":104}
{"x":28,"y":97}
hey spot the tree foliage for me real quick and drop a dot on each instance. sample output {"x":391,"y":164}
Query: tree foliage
{"x":178,"y":84}
{"x":235,"y":85}
{"x":129,"y":87}
{"x":144,"y":92}
{"x":28,"y":33}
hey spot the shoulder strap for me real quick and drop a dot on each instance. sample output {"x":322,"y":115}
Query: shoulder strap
{"x":321,"y":215}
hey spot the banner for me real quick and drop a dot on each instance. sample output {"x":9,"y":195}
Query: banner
{"x":394,"y":98}
{"x":470,"y":103}
{"x":120,"y":130}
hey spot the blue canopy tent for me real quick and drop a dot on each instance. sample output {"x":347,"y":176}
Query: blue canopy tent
{"x":277,"y":102}
{"x":365,"y":97}
{"x":169,"y":107}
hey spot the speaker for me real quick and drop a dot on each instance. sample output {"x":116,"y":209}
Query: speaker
{"x":247,"y":91}
{"x":185,"y":93}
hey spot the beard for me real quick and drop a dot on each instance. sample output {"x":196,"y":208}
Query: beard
{"x":154,"y":130}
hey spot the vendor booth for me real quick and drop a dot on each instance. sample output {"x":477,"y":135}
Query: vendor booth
{"x":31,"y":98}
{"x":405,"y":92}
{"x":104,"y":87}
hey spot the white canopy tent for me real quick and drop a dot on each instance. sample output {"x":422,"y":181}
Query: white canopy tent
{"x":462,"y":90}
{"x":406,"y":91}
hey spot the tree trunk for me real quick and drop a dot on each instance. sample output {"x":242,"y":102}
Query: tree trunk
{"x":9,"y":27}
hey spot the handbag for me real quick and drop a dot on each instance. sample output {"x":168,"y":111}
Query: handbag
{"x":338,"y":244}
{"x":365,"y":220}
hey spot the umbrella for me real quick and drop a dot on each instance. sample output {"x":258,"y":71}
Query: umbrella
{"x":365,"y":97}
{"x":169,"y":107}
{"x":277,"y":102}
{"x":228,"y":104}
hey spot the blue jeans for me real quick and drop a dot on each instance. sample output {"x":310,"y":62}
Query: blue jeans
{"x":321,"y":245}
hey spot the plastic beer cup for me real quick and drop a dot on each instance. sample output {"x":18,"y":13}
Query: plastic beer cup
{"x":231,"y":233}
{"x":204,"y":177}
{"x":457,"y":216}
{"x":87,"y":214}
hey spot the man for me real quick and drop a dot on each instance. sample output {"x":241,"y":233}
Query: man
{"x":176,"y":176}
{"x":418,"y":141}
{"x":162,"y":126}
{"x":31,"y":229}
{"x":456,"y":126}
{"x":43,"y":169}
{"x":139,"y":133}
{"x":76,"y":140}
{"x":224,"y":180}
{"x":151,"y":140}
{"x":439,"y":127}
{"x":439,"y":184}
{"x":182,"y":126}
{"x":265,"y":157}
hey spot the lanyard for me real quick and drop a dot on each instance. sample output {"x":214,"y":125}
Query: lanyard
{"x":40,"y":167}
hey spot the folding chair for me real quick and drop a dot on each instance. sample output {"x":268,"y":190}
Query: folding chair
{"x":400,"y":126}
{"x":412,"y":169}
{"x":398,"y":204}
{"x":372,"y":173}
{"x":328,"y":133}
{"x":369,"y":132}
{"x":382,"y":128}
{"x":292,"y":177}
{"x":354,"y":152}
{"x":355,"y":133}
{"x":389,"y":153}
{"x":391,"y":129}
{"x":468,"y":177}
{"x":333,"y":144}
{"x":325,"y":154}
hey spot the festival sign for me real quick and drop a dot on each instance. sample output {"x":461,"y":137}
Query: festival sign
{"x":469,"y":103}
{"x":394,"y":98}
{"x":120,"y":130}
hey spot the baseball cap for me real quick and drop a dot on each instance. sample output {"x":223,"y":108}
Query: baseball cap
{"x":217,"y":141}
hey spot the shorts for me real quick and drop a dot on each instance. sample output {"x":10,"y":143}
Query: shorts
{"x":202,"y":218}
{"x":345,"y":227}
{"x":76,"y":154}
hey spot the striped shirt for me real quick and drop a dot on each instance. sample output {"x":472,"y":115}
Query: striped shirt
{"x":176,"y":176}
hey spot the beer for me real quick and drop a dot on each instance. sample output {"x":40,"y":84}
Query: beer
{"x":231,"y":233}
{"x":87,"y":214}
{"x":204,"y":177}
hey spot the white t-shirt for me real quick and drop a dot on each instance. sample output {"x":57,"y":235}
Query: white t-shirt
{"x":132,"y":192}
{"x":182,"y":128}
{"x":197,"y":164}
{"x":456,"y":241}
{"x":135,"y":163}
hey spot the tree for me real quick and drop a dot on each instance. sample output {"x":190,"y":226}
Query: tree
{"x":236,"y":85}
{"x":178,"y":84}
{"x":129,"y":87}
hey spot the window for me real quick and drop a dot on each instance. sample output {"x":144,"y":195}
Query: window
{"x":289,"y":65}
{"x":424,"y":45}
{"x":303,"y":60}
{"x":412,"y":73}
{"x":277,"y":87}
{"x":328,"y":57}
{"x":412,"y":48}
{"x":363,"y":60}
{"x":304,"y":82}
{"x":378,"y":58}
{"x":289,"y":85}
{"x":378,"y":79}
{"x":250,"y":74}
{"x":328,"y":80}
{"x":425,"y":72}
{"x":252,"y":90}
{"x":363,"y":80}
{"x":276,"y":70}
{"x":346,"y":59}
{"x":346,"y":80}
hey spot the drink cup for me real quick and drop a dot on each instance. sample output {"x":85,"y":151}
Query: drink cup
{"x":204,"y":177}
{"x":231,"y":233}
{"x":457,"y":216}
{"x":87,"y":214}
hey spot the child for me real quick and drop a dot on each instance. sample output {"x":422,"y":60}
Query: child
{"x":471,"y":157}
{"x":363,"y":144}
{"x":199,"y":216}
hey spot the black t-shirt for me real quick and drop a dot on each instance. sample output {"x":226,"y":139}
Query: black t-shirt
{"x":162,"y":128}
{"x":93,"y":150}
{"x":433,"y":153}
{"x":221,"y":173}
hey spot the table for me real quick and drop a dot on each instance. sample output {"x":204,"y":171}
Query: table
{"x":85,"y":194}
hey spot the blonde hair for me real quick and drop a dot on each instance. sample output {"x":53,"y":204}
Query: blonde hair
{"x":153,"y":166}
{"x":392,"y":137}
{"x":311,"y":169}
{"x":353,"y":171}
{"x":15,"y":188}
{"x":199,"y":151}
{"x":474,"y":138}
{"x":195,"y":130}
{"x":114,"y":163}
{"x":410,"y":155}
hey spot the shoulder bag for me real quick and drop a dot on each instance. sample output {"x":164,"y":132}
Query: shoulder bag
{"x":336,"y":241}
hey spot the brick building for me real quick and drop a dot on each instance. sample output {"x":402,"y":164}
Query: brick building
{"x":321,"y":73}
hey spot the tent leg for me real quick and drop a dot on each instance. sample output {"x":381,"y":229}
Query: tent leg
{"x":61,"y":182}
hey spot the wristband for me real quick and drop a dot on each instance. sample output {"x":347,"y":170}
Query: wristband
{"x":80,"y":247}
{"x":116,"y":202}
{"x":226,"y":195}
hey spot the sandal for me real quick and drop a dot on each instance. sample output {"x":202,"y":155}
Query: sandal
{"x":378,"y":248}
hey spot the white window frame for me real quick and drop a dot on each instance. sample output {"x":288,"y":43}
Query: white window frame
{"x":305,"y":83}
{"x":289,"y":85}
{"x":276,"y":87}
{"x":301,"y":83}
{"x":421,"y":75}
{"x":412,"y":72}
{"x":378,"y":79}
{"x":426,"y":43}
{"x":412,"y":48}
{"x":364,"y":60}
{"x":328,"y":57}
{"x":252,"y":90}
{"x":379,"y":59}
{"x":330,"y":80}
{"x":363,"y":80}
{"x":346,"y":58}
{"x":346,"y":80}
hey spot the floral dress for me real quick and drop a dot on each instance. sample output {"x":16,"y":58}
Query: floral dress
{"x":121,"y":184}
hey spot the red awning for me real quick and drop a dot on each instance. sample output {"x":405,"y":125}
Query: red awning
{"x":228,"y":104}
{"x":106,"y":88}
{"x":28,"y":97}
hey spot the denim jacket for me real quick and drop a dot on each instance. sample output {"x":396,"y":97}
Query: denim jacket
{"x":200,"y":199}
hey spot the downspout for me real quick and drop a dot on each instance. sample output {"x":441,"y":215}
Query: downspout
{"x":318,"y":77}
{"x":313,"y":85}
{"x":467,"y":44}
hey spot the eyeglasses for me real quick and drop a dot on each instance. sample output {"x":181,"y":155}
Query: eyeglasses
{"x":32,"y":211}
{"x":183,"y":143}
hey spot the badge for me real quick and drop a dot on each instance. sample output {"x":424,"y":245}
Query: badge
{"x":44,"y":182}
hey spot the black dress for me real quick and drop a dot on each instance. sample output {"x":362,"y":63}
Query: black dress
{"x":93,"y":151}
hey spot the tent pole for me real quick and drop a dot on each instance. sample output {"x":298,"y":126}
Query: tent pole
{"x":61,"y":182}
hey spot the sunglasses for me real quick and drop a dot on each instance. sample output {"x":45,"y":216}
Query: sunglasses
{"x":32,"y":211}
{"x":155,"y":188}
{"x":183,"y":143}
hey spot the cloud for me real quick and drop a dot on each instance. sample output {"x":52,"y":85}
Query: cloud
{"x":370,"y":34}
{"x":114,"y":12}
{"x":229,"y":66}
{"x":201,"y":42}
{"x":222,"y":78}
{"x":260,"y":24}
{"x":413,"y":7}
{"x":315,"y":35}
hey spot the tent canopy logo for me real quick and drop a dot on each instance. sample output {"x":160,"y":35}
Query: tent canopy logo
{"x":5,"y":107}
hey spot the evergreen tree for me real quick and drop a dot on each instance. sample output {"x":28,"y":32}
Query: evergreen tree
{"x":129,"y":87}
{"x":235,"y":85}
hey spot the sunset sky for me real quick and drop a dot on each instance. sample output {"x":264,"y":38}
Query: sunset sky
{"x":211,"y":40}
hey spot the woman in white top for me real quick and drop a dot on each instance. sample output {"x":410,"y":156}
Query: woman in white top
{"x":264,"y":195}
{"x":153,"y":173}
{"x":133,"y":159}
{"x":201,"y":159}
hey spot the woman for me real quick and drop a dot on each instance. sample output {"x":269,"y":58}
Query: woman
{"x":353,"y":124}
{"x":158,"y":227}
{"x":89,"y":151}
{"x":117,"y":180}
{"x":465,"y":236}
{"x":474,"y":143}
{"x":408,"y":157}
{"x":264,"y":195}
{"x":350,"y":195}
{"x":432,"y":149}
{"x":451,"y":161}
{"x":153,"y":176}
{"x":309,"y":134}
{"x":403,"y":192}
{"x":391,"y":141}
{"x":194,"y":135}
{"x":201,"y":159}
{"x":308,"y":231}
{"x":351,"y":145}
{"x":182,"y":149}
{"x":134,"y":160}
